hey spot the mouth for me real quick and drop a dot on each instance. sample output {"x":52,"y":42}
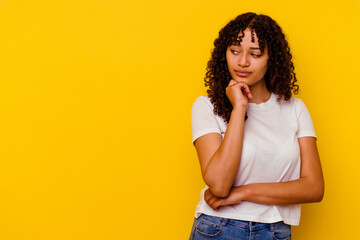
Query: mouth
{"x":242,"y":73}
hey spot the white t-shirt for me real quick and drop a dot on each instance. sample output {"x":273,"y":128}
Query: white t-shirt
{"x":270,"y":153}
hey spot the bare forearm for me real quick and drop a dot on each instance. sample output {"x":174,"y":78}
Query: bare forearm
{"x":222,"y":168}
{"x":284,"y":193}
{"x":309,"y":188}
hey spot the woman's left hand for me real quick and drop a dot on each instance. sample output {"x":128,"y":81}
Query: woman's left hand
{"x":234,"y":197}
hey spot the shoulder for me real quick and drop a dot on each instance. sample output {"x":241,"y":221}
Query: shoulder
{"x":293,"y":102}
{"x":203,"y":100}
{"x":294,"y":105}
{"x":299,"y":105}
{"x":203,"y":119}
{"x":296,"y":101}
{"x":299,"y":108}
{"x":202,"y":103}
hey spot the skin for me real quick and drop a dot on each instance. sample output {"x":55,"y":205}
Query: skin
{"x":220,"y":159}
{"x":247,"y":57}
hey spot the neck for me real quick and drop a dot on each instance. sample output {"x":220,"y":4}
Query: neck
{"x":260,"y":93}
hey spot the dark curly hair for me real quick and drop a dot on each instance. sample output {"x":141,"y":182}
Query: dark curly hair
{"x":280,"y":77}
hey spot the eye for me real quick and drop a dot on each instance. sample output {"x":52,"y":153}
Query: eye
{"x":234,"y":51}
{"x":256,"y":55}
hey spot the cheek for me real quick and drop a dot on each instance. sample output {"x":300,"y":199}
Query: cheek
{"x":228,"y":60}
{"x":265,"y":67}
{"x":229,"y":64}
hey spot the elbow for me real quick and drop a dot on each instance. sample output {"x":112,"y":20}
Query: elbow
{"x":315,"y":197}
{"x":219,"y":186}
{"x":317,"y":194}
{"x":220,"y":193}
{"x":219,"y":190}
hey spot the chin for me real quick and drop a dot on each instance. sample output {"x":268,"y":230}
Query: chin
{"x":243,"y":80}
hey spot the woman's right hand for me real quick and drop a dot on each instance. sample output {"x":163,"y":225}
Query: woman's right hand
{"x":235,"y":196}
{"x":238,"y":93}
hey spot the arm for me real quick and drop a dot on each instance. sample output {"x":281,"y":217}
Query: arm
{"x":219,"y":160}
{"x":309,"y":188}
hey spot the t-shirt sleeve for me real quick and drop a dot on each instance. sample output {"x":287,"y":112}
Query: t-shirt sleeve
{"x":203,"y":120}
{"x":306,"y":127}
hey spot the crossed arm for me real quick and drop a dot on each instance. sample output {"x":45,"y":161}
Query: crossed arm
{"x":308,"y":188}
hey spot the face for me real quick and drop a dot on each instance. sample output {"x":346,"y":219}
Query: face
{"x":245,"y":62}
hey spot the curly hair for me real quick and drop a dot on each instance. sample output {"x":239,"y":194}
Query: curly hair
{"x":280,"y":77}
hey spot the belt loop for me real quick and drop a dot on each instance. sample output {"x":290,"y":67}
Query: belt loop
{"x":272,"y":228}
{"x":223,"y":221}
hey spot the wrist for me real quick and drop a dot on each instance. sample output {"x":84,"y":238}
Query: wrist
{"x":246,"y":192}
{"x":239,"y":113}
{"x":239,"y":110}
{"x":243,"y":192}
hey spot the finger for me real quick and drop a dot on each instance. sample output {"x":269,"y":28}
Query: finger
{"x":211,"y":201}
{"x":210,"y":198}
{"x":245,"y":88}
{"x":207,"y":195}
{"x":232,"y":83}
{"x":217,"y":204}
{"x":248,"y":94}
{"x":207,"y":199}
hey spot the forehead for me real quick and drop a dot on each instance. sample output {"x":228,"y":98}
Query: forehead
{"x":248,"y":36}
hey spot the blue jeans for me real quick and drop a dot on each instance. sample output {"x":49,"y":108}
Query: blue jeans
{"x":209,"y":227}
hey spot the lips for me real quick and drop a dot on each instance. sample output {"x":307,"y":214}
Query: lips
{"x":242,"y":73}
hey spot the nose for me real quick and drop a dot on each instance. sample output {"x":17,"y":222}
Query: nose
{"x":243,"y":60}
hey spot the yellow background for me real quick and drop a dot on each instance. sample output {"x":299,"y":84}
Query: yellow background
{"x":95,"y":100}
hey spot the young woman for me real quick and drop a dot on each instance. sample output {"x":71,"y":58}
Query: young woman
{"x":255,"y":142}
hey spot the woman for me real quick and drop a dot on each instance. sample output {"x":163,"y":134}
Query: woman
{"x":255,"y":142}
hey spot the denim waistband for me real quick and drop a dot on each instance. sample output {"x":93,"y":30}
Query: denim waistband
{"x":206,"y":226}
{"x":242,"y":223}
